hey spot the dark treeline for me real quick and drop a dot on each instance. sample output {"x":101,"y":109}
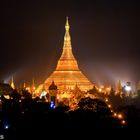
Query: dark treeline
{"x":22,"y":116}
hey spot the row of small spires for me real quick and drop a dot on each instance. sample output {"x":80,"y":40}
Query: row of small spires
{"x":12,"y":84}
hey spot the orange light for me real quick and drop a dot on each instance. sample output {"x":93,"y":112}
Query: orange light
{"x":112,"y":111}
{"x":123,"y":122}
{"x":106,"y":100}
{"x":109,"y":106}
{"x":120,"y":116}
{"x":100,"y":90}
{"x":115,"y":114}
{"x":108,"y":89}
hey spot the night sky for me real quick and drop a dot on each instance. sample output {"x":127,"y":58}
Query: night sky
{"x":105,"y":39}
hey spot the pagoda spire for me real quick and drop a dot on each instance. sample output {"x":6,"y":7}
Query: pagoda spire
{"x":67,"y":38}
{"x":67,"y":72}
{"x":67,"y":60}
{"x":12,"y":83}
{"x":67,"y":24}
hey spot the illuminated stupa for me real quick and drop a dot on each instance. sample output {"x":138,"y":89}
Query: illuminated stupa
{"x":67,"y":73}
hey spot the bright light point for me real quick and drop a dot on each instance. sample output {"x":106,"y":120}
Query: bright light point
{"x":109,"y":106}
{"x":111,"y":110}
{"x":7,"y":96}
{"x":100,"y":90}
{"x":128,"y":88}
{"x":120,"y":116}
{"x":115,"y":114}
{"x":43,"y":94}
{"x":106,"y":100}
{"x":52,"y":105}
{"x":123,"y":122}
{"x":6,"y":126}
{"x":28,"y":89}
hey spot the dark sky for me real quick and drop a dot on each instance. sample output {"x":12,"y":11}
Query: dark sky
{"x":105,"y":38}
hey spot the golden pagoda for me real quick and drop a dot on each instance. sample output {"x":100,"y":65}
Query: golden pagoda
{"x":67,"y":73}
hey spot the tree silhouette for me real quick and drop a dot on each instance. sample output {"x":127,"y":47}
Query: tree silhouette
{"x":15,"y":96}
{"x":5,"y":89}
{"x":94,"y":92}
{"x":26,"y":95}
{"x":95,"y":105}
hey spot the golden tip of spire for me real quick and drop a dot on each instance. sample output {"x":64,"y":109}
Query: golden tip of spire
{"x":67,"y":23}
{"x":67,"y":20}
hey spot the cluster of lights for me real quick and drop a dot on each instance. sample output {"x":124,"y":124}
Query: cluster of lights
{"x":104,"y":90}
{"x":116,"y":115}
{"x":120,"y":117}
{"x":65,"y":95}
{"x":109,"y":105}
